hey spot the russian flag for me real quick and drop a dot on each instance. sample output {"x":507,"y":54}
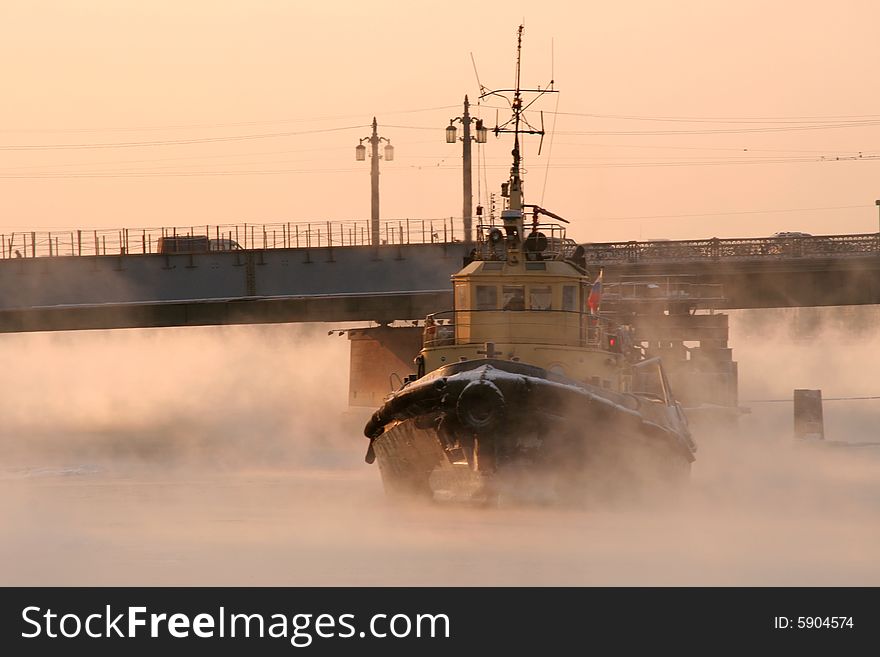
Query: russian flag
{"x":595,"y":295}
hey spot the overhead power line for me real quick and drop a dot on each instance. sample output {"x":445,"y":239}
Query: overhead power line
{"x":785,"y":124}
{"x":863,"y":118}
{"x":426,"y":167}
{"x":827,"y":118}
{"x":719,"y":131}
{"x":735,"y":149}
{"x":824,"y":399}
{"x":236,"y":124}
{"x":719,"y":162}
{"x":209,"y":156}
{"x":175,"y":142}
{"x":438,"y":166}
{"x":171,"y":174}
{"x":729,"y":213}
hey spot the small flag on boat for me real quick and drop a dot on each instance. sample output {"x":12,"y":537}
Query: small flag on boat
{"x":595,"y":295}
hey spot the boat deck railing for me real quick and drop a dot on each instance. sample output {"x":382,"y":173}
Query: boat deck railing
{"x":557,"y":244}
{"x":568,"y":328}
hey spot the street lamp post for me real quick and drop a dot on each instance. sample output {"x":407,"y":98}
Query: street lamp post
{"x":465,"y":120}
{"x":361,"y":155}
{"x":877,"y":203}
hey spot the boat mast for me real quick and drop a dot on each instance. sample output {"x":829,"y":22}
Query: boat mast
{"x":515,"y":190}
{"x":512,"y":216}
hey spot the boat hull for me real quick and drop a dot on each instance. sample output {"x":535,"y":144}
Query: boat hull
{"x":478,"y":429}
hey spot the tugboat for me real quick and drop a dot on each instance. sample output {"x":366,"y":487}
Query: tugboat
{"x":524,"y":384}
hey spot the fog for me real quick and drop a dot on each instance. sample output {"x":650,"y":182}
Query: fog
{"x":226,"y":455}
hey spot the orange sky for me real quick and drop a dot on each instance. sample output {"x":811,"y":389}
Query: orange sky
{"x":109,"y":72}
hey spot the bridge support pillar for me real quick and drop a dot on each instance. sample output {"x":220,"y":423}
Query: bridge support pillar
{"x":381,"y":358}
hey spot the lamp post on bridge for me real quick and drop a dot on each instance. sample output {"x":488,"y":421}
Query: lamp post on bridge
{"x":877,"y":203}
{"x":465,"y":120}
{"x":360,"y":153}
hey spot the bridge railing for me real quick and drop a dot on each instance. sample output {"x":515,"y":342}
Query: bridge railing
{"x":225,"y":237}
{"x":322,"y":234}
{"x":727,"y":249}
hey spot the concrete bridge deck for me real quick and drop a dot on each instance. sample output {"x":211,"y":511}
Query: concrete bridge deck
{"x":399,"y":281}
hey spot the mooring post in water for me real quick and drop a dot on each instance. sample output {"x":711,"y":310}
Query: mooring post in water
{"x":808,"y":421}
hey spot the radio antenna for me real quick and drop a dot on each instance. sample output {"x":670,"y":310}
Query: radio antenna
{"x":477,"y":75}
{"x":518,"y":124}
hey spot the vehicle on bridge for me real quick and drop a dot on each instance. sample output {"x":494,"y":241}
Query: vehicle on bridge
{"x":524,"y":388}
{"x":195,"y":244}
{"x":788,"y":243}
{"x":791,"y":233}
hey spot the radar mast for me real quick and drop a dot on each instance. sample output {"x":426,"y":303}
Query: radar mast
{"x":517,"y":124}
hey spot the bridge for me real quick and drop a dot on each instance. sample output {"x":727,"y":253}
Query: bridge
{"x":314,"y":272}
{"x":775,"y":272}
{"x":328,"y":273}
{"x":324,"y":272}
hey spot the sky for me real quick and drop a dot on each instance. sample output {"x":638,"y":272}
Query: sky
{"x":673,"y":119}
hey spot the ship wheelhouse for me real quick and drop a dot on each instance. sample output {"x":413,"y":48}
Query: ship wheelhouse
{"x":533,"y":311}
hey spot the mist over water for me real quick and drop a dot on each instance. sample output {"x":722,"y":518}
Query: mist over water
{"x":227,"y":455}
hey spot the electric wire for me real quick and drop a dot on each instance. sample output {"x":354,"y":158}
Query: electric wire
{"x":824,"y":399}
{"x":199,"y":126}
{"x":550,"y":149}
{"x":864,"y":118}
{"x":731,"y":213}
{"x":439,"y":166}
{"x":176,"y":142}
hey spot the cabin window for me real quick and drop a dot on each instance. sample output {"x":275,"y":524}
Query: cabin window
{"x":540,"y":297}
{"x":569,"y":297}
{"x":487,"y":297}
{"x":513,"y":297}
